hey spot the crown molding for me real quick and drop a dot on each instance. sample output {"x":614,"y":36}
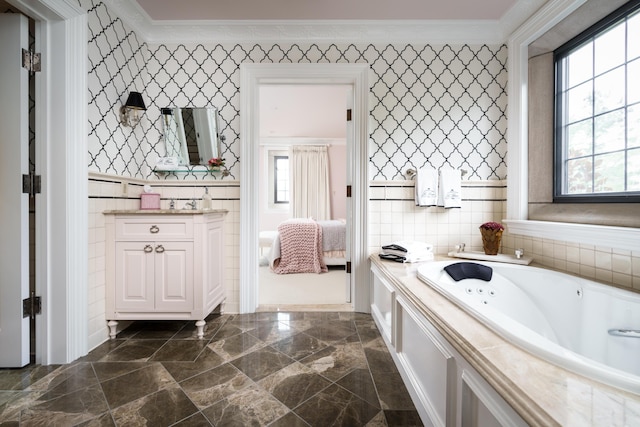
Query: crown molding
{"x":324,"y":31}
{"x":519,"y":14}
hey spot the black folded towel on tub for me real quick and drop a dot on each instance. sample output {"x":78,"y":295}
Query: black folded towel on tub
{"x":469,"y":270}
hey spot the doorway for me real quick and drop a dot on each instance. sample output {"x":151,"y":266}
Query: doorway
{"x":252,"y":77}
{"x":310,"y":119}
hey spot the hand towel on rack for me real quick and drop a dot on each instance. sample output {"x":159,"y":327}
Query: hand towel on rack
{"x":450,"y":188}
{"x":426,"y":186}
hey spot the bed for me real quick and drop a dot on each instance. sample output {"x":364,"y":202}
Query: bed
{"x":303,"y":245}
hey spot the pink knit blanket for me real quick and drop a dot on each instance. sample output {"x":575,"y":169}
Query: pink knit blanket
{"x":300,"y":247}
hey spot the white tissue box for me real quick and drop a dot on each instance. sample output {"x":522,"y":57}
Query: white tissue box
{"x":150,"y":201}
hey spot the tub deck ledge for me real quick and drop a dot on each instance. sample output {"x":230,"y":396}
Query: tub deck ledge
{"x":540,"y":392}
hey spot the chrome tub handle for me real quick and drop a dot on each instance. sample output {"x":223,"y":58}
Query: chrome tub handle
{"x":629,"y":333}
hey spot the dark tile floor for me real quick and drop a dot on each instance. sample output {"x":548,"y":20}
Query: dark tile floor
{"x":275,"y":369}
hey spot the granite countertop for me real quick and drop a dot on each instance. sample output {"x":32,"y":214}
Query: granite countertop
{"x":541,"y":392}
{"x":164,"y":211}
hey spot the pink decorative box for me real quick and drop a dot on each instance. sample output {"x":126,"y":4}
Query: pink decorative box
{"x":149,"y":201}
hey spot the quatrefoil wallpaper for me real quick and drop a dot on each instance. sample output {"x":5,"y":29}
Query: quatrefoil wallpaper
{"x":429,"y":105}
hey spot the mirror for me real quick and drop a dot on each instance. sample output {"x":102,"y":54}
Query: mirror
{"x":191,"y":134}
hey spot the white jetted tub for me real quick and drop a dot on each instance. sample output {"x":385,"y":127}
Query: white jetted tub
{"x":581,"y":325}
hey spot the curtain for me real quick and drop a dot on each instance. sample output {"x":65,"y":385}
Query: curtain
{"x":310,"y":182}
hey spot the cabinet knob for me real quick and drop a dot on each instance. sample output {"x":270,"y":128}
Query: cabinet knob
{"x":159,"y":249}
{"x":154,"y":229}
{"x":148,"y":249}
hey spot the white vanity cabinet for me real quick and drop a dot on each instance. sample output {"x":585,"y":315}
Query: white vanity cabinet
{"x":164,"y":265}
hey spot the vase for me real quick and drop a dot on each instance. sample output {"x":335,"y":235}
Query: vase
{"x":491,"y":240}
{"x":214,"y":168}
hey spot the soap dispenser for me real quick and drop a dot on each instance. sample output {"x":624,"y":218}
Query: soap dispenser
{"x":206,"y":199}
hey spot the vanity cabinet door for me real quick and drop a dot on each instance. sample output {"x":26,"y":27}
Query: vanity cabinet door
{"x":174,"y":276}
{"x":135,"y":276}
{"x":154,"y":276}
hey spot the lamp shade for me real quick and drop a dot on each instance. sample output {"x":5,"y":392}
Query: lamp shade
{"x":135,"y":101}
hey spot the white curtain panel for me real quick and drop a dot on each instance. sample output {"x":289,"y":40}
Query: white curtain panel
{"x":310,"y":182}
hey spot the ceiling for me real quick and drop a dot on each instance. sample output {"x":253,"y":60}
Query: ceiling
{"x":325,"y":9}
{"x":334,"y":21}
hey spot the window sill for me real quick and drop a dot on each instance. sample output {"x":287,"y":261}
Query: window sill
{"x":625,"y":238}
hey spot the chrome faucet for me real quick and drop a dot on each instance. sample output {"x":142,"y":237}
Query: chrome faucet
{"x":519,"y":253}
{"x":172,"y":204}
{"x":460,"y":247}
{"x":191,"y":204}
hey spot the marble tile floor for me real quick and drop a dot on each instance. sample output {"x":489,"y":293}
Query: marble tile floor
{"x":262,"y":369}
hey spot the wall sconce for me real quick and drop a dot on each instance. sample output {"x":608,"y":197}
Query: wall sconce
{"x":129,"y":111}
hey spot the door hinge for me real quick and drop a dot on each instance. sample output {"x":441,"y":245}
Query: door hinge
{"x":348,"y":191}
{"x":31,"y":306}
{"x":31,"y":61}
{"x":349,"y":115}
{"x":31,"y":184}
{"x":348,"y":267}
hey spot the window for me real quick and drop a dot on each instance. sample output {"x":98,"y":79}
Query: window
{"x":597,"y":137}
{"x":281,"y":179}
{"x":278,"y":182}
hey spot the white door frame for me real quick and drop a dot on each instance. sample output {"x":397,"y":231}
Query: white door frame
{"x":251,"y":76}
{"x":61,"y":161}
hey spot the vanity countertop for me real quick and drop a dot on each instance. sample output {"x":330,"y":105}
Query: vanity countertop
{"x":165,"y":211}
{"x":542,"y":393}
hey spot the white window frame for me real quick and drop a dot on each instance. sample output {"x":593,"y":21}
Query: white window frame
{"x":272,"y":153}
{"x":516,"y":219}
{"x":562,"y":55}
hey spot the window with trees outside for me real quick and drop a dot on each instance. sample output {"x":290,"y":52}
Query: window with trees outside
{"x":597,"y":136}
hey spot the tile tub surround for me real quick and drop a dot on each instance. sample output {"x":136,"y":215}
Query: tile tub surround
{"x":541,"y":393}
{"x":393,"y":215}
{"x":270,"y":368}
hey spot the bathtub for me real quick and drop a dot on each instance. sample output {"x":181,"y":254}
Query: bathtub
{"x":580,"y":325}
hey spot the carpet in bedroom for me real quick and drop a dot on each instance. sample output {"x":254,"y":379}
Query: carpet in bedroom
{"x":301,"y":289}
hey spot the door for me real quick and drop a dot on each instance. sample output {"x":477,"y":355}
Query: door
{"x":14,"y":205}
{"x":134,"y":276}
{"x":174,"y":269}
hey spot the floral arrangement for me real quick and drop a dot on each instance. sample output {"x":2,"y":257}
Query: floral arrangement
{"x":491,"y":235}
{"x":216,"y":162}
{"x":495,"y":226}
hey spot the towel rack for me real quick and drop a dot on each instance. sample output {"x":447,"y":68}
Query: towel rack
{"x":411,"y":173}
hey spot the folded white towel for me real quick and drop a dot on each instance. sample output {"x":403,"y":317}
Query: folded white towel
{"x":426,"y":187}
{"x":408,"y":257}
{"x":408,"y":251}
{"x":450,"y":188}
{"x":417,"y":257}
{"x":404,"y":246}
